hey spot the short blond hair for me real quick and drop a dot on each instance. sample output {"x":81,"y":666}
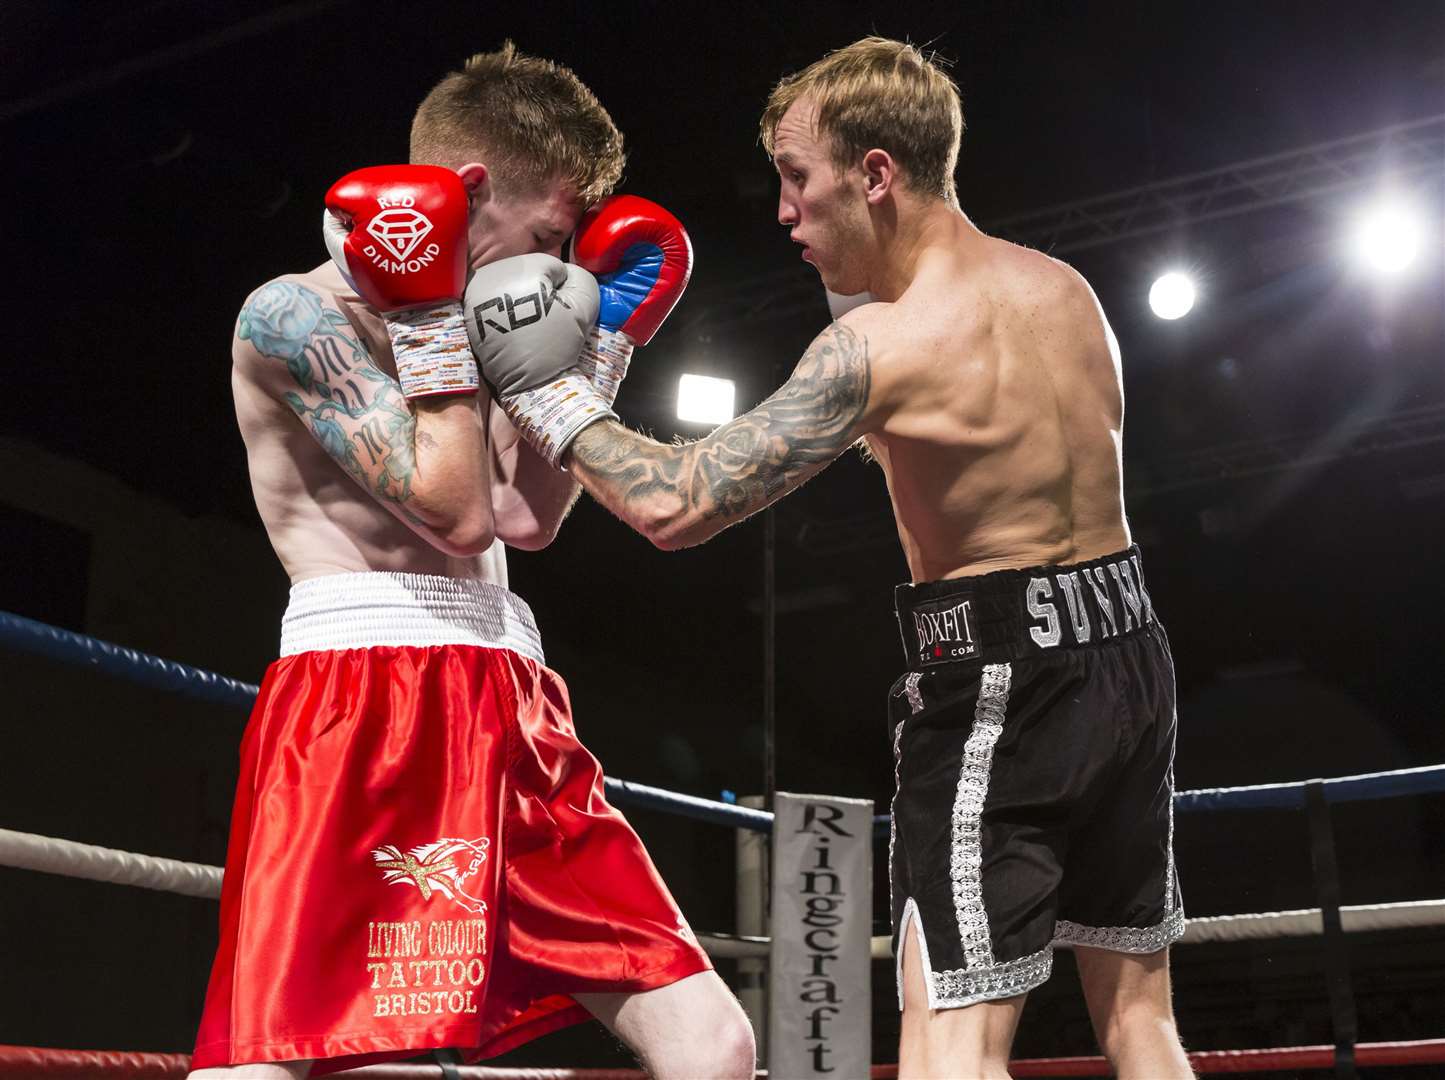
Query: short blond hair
{"x":529,"y":120}
{"x":885,"y":94}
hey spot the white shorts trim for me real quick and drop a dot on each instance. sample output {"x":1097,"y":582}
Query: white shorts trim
{"x":964,"y":987}
{"x":378,"y":608}
{"x":1126,"y":939}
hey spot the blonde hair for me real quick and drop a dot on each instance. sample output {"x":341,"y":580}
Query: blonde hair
{"x":885,"y":94}
{"x":528,"y":119}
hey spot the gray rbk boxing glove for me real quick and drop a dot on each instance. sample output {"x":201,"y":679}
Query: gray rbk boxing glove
{"x":528,"y":318}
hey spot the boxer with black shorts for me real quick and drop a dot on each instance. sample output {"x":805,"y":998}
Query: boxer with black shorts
{"x":1054,"y":688}
{"x":1034,"y":733}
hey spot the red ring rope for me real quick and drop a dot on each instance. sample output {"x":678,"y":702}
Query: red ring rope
{"x":41,"y":1063}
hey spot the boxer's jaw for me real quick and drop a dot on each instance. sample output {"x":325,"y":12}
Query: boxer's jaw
{"x":505,"y":223}
{"x":850,"y":245}
{"x":836,"y":232}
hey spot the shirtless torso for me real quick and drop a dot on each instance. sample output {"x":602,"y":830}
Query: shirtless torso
{"x":345,"y":479}
{"x":1002,"y":431}
{"x":985,"y":381}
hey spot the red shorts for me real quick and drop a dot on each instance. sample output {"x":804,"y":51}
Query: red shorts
{"x":421,"y":854}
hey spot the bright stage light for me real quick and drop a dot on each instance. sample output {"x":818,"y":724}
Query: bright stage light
{"x":1386,"y":236}
{"x":1172,"y":295}
{"x":702,"y":399}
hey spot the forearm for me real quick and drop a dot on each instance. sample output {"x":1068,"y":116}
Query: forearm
{"x":678,"y":496}
{"x":663,"y":492}
{"x":549,"y":493}
{"x":530,"y":498}
{"x":451,"y":488}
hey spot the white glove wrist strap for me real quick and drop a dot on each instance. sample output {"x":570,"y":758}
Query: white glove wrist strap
{"x":431,"y":349}
{"x":604,"y":359}
{"x":550,"y":416}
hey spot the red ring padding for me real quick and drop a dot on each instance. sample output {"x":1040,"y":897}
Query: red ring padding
{"x":1279,"y":1059}
{"x":41,"y":1063}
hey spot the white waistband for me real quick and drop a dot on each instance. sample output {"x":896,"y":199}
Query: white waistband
{"x":360,"y":611}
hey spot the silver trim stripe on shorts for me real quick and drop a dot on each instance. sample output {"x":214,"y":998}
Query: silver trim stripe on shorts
{"x":980,"y":979}
{"x":966,"y":857}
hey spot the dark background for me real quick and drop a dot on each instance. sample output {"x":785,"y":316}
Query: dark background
{"x":162,"y":159}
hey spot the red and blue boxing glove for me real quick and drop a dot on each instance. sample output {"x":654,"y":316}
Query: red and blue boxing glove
{"x":642,"y":259}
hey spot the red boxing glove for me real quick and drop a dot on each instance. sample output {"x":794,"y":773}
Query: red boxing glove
{"x":642,"y":259}
{"x":399,"y":234}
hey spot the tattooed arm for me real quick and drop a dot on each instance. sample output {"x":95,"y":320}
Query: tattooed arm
{"x":678,"y":496}
{"x":425,"y":461}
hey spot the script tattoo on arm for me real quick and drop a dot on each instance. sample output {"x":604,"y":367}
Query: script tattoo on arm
{"x":353,"y":409}
{"x":681,"y":495}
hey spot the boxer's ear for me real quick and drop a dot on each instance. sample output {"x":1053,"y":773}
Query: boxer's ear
{"x":477,"y":179}
{"x":879,"y":173}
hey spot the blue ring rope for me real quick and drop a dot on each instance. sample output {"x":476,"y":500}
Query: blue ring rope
{"x":69,"y":647}
{"x":27,"y":635}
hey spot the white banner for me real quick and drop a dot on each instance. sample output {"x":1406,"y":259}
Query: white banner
{"x":820,"y":1020}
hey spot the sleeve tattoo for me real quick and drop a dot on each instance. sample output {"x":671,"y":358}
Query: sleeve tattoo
{"x":353,"y":409}
{"x":747,"y":463}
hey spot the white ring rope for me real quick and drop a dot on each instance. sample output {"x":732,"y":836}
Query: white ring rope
{"x":50,"y":855}
{"x":1309,"y":922}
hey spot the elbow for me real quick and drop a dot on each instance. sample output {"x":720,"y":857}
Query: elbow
{"x":464,"y":544}
{"x":457,"y":525}
{"x":673,"y":532}
{"x":520,"y":527}
{"x":533,"y":538}
{"x":664,"y":541}
{"x":464,"y":538}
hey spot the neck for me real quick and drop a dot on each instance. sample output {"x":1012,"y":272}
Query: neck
{"x":908,"y":229}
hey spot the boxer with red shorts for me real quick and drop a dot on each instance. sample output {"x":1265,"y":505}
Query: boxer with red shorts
{"x":421,"y":855}
{"x":425,"y":856}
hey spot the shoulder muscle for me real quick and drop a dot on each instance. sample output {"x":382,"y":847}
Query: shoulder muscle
{"x":295,"y":344}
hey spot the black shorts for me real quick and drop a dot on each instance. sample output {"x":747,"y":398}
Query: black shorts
{"x":1033,"y":743}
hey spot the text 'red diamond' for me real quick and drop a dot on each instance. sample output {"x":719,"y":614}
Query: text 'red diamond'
{"x":399,"y":230}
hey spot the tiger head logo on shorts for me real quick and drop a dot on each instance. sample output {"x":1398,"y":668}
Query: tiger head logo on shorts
{"x":444,"y":866}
